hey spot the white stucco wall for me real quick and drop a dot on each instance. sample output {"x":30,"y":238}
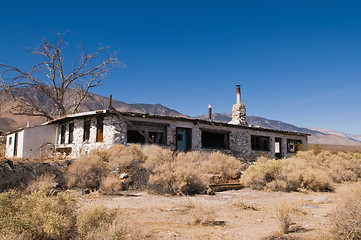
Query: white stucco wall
{"x":29,"y":141}
{"x":9,"y":152}
{"x":36,"y":138}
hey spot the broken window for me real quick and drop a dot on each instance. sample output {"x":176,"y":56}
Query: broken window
{"x":293,"y":145}
{"x":259,"y":143}
{"x":71,"y":133}
{"x":62,"y":133}
{"x":156,"y":137}
{"x":100,"y":127}
{"x":86,"y":134}
{"x":156,"y":133}
{"x":215,"y":140}
{"x":134,"y":136}
{"x":10,"y":140}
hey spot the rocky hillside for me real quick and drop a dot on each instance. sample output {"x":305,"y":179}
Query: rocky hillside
{"x":9,"y":121}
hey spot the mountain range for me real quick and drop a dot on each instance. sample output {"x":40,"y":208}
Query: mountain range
{"x":9,"y":122}
{"x":318,"y":135}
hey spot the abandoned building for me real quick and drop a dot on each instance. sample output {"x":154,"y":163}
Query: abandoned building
{"x":79,"y":133}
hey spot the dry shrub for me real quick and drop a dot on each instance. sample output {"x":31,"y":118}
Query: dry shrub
{"x":100,"y":223}
{"x":113,"y":185}
{"x":304,"y":171}
{"x":261,"y":174}
{"x":226,"y":166}
{"x":125,"y":157}
{"x":37,"y":216}
{"x":177,"y":178}
{"x":240,"y":204}
{"x":87,"y":172}
{"x":284,"y":213}
{"x":346,"y":219}
{"x":19,"y":174}
{"x":43,"y":180}
{"x":188,"y":173}
{"x":201,"y":214}
{"x":156,"y":156}
{"x":40,"y":216}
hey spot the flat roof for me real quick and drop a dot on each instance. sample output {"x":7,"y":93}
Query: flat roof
{"x":153,"y":116}
{"x":172,"y":118}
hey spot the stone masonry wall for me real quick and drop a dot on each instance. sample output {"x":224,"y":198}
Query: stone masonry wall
{"x":114,"y":132}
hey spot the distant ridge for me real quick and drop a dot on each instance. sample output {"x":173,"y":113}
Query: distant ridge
{"x":318,"y":135}
{"x":10,"y":122}
{"x":93,"y":102}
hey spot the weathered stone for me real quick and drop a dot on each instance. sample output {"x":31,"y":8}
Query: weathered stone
{"x":123,"y":175}
{"x":320,"y":200}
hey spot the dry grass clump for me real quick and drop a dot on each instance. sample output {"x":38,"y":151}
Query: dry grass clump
{"x":201,"y":214}
{"x":100,"y":223}
{"x":346,"y":219}
{"x":240,"y":204}
{"x":305,"y":171}
{"x":284,"y":213}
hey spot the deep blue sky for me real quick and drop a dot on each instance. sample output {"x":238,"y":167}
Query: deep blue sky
{"x":297,"y":61}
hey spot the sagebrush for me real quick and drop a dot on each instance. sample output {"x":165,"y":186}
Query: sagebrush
{"x":308,"y":170}
{"x":151,"y":167}
{"x":346,"y":219}
{"x":40,"y":215}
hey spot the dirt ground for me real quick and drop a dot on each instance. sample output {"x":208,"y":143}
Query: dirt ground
{"x":235,"y":214}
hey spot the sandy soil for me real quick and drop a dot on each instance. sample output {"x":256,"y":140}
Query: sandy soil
{"x":240,"y":214}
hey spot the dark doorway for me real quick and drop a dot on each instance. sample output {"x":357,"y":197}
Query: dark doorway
{"x":278,"y":147}
{"x":16,"y":145}
{"x":184,"y":142}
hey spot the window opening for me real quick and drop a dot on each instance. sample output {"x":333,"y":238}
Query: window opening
{"x":215,"y":140}
{"x":293,"y":146}
{"x":157,"y":137}
{"x":100,"y":126}
{"x":71,"y":133}
{"x":62,"y":133}
{"x":259,"y":143}
{"x":86,"y":130}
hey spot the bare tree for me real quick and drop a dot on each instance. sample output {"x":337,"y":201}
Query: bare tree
{"x":53,"y":77}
